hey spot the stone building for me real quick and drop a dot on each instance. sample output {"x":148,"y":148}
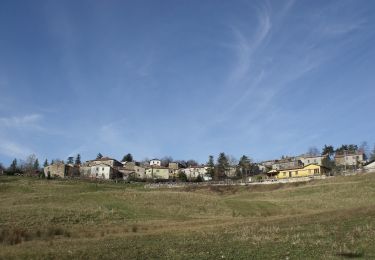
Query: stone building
{"x":61,"y":170}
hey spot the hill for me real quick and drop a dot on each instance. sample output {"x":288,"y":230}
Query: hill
{"x":63,"y":219}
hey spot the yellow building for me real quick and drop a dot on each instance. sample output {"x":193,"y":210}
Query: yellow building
{"x":305,"y":171}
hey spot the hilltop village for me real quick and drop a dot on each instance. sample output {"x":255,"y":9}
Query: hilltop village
{"x":344,"y":160}
{"x":159,"y":170}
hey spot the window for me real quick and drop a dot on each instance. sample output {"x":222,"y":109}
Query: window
{"x":296,"y":172}
{"x":103,"y":169}
{"x":308,"y":161}
{"x":284,"y":173}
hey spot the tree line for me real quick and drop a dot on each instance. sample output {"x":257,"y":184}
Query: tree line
{"x":217,"y":170}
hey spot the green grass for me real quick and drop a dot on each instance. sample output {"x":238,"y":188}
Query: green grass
{"x":65,"y":219}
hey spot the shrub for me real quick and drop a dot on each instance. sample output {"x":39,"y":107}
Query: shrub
{"x":134,"y":228}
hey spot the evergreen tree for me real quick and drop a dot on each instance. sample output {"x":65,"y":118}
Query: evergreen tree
{"x":78,"y":160}
{"x":199,"y":179}
{"x":244,"y":164}
{"x":70,"y":160}
{"x":99,"y":156}
{"x":13,"y":166}
{"x":211,"y":166}
{"x":36,"y":164}
{"x":182,"y":176}
{"x":328,"y":149}
{"x":351,"y":148}
{"x":127,"y":158}
{"x":2,"y":169}
{"x":328,"y":162}
{"x":45,"y":164}
{"x":222,"y":166}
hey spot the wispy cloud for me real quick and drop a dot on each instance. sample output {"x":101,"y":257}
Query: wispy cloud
{"x":12,"y":149}
{"x":246,"y":46}
{"x":339,"y":29}
{"x":31,"y":120}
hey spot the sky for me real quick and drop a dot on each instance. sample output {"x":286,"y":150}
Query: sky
{"x":186,"y":79}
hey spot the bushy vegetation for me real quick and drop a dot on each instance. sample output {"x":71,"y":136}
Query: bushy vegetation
{"x":42,"y":218}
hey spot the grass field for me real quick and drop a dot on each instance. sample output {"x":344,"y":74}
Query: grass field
{"x":65,"y":219}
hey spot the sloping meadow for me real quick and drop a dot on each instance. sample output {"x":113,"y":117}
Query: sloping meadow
{"x":331,"y":218}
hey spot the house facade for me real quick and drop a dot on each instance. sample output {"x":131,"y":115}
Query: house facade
{"x":159,"y":172}
{"x":193,"y":172}
{"x":103,"y":168}
{"x":174,"y":165}
{"x":61,"y":170}
{"x":102,"y":171}
{"x":349,"y":159}
{"x":133,"y":169}
{"x":312,"y":159}
{"x":155,"y":162}
{"x":286,"y":164}
{"x":104,"y":160}
{"x":304,"y":171}
{"x":370,"y":167}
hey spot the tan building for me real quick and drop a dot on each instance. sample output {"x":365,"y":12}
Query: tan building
{"x":349,"y":159}
{"x":286,"y":163}
{"x":312,"y":159}
{"x":104,"y":160}
{"x":159,"y":172}
{"x":174,"y":165}
{"x":133,"y":169}
{"x":104,"y":168}
{"x":61,"y":170}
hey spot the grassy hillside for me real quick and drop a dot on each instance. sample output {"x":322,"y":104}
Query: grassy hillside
{"x":63,"y":219}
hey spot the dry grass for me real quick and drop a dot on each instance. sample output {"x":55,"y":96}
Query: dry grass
{"x":332,"y":219}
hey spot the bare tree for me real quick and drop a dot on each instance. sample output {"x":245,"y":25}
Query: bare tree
{"x":28,"y":166}
{"x":192,"y":162}
{"x":166,"y":160}
{"x":232,"y":160}
{"x":313,"y":151}
{"x":364,"y":148}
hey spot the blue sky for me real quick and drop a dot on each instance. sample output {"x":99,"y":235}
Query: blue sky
{"x":184,"y":78}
